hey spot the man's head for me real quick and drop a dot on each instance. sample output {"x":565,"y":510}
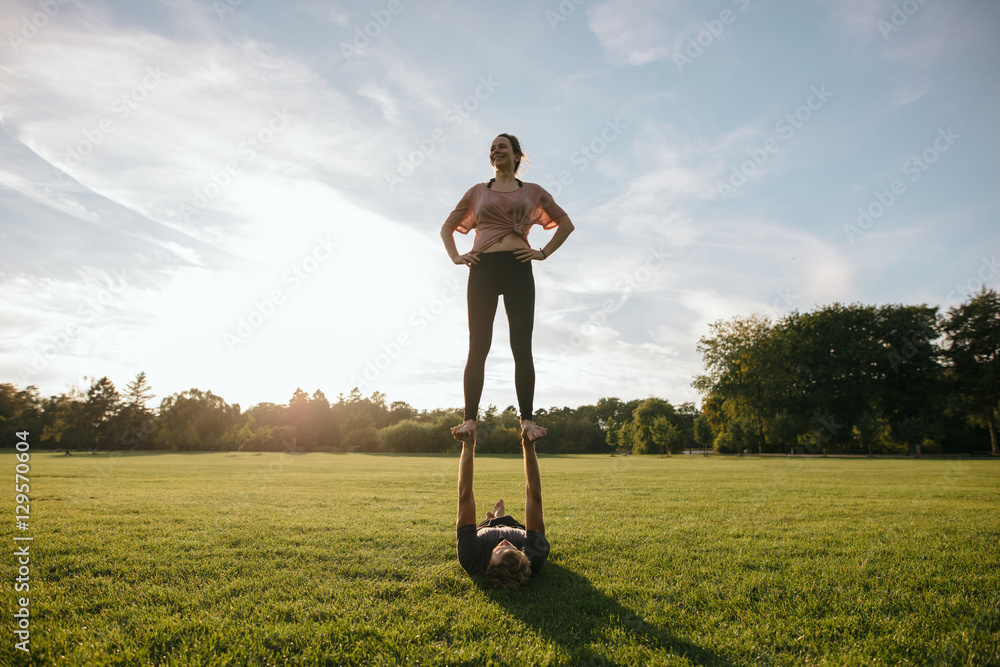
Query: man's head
{"x":509,"y":567}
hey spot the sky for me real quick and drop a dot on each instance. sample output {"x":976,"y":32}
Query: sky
{"x":246,"y":196}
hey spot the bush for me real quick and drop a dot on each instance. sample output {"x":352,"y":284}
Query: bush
{"x":498,"y":440}
{"x":725,"y":443}
{"x":270,"y":439}
{"x":364,"y":439}
{"x":413,"y":436}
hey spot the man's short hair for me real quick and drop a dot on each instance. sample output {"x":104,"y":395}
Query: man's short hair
{"x":513,"y":571}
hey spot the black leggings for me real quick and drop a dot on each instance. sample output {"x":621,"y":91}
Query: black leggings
{"x":499,"y":273}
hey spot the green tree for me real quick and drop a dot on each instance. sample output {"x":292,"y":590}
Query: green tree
{"x":745,"y":372}
{"x":312,"y":419}
{"x":837,"y":359}
{"x":703,"y":434}
{"x":413,"y":436}
{"x":138,"y":392}
{"x":358,"y":433}
{"x":642,"y":426}
{"x":100,"y":408}
{"x":196,"y":420}
{"x":20,"y":410}
{"x":973,"y":330}
{"x":135,"y":423}
{"x":63,"y":421}
{"x":911,"y":386}
{"x":613,"y":415}
{"x":666,"y":436}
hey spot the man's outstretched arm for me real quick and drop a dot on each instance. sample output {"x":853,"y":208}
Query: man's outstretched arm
{"x":466,"y":499}
{"x":533,"y":501}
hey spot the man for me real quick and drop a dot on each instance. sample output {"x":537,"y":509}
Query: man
{"x":500,"y":548}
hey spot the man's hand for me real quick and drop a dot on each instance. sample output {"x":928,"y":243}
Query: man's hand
{"x":465,"y":432}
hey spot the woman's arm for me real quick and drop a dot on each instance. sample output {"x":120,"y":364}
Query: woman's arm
{"x":448,"y":236}
{"x":562,"y":232}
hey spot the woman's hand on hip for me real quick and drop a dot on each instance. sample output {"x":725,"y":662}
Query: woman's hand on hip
{"x":528,"y":254}
{"x":468,"y":258}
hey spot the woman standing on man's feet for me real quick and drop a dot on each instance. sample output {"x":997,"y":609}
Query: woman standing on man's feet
{"x":501,"y":212}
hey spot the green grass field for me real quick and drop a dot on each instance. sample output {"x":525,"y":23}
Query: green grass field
{"x":329,"y":559}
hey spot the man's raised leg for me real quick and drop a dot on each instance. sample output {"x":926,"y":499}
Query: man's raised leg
{"x":497,"y":510}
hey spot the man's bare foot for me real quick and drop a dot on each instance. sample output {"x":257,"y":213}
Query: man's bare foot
{"x":465,"y":430}
{"x":531,"y":431}
{"x":498,"y":510}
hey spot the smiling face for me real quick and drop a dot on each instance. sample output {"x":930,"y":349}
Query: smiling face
{"x":503,"y":155}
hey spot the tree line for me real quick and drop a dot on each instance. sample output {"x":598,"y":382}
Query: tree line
{"x":102,"y":418}
{"x":877,"y":380}
{"x":887,"y":379}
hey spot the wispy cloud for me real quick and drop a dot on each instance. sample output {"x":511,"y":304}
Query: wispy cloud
{"x":206,"y":156}
{"x":632,"y":32}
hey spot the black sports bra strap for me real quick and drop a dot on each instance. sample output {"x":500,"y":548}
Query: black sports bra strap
{"x":489,"y":186}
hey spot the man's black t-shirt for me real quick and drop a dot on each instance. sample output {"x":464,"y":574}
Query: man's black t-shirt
{"x":476,"y":544}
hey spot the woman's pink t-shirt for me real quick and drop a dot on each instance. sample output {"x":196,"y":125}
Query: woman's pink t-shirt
{"x":494,"y":214}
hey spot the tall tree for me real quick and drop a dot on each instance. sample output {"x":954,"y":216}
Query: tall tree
{"x":973,"y":330}
{"x":102,"y":405}
{"x":666,"y":436}
{"x":911,"y":386}
{"x":20,"y":410}
{"x":744,"y":371}
{"x":138,"y":392}
{"x":647,"y":433}
{"x":197,"y":420}
{"x":135,"y":423}
{"x":703,"y":432}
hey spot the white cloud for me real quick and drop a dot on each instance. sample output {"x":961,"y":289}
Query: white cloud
{"x":770,"y":248}
{"x":632,"y":32}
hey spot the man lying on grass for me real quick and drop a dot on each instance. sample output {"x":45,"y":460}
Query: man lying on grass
{"x":500,"y":548}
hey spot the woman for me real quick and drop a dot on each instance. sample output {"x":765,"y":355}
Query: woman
{"x":501,"y":212}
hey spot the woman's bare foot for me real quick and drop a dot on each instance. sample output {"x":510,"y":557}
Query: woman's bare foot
{"x":465,"y":430}
{"x":532,"y":431}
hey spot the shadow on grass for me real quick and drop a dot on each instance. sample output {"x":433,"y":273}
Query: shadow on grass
{"x":565,"y":608}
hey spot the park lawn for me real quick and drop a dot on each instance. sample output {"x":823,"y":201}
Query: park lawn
{"x":328,"y":559}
